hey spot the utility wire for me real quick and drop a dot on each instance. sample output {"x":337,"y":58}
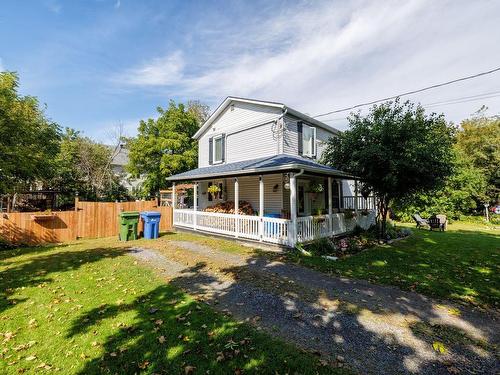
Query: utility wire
{"x":462,"y":99}
{"x":410,"y":92}
{"x":465,"y":99}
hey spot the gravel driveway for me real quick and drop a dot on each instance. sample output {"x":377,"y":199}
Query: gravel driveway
{"x":371,"y":329}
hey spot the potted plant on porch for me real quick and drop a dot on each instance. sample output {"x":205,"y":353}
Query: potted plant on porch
{"x":315,"y":188}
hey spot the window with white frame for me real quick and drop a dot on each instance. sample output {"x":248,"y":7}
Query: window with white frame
{"x":308,"y":140}
{"x":218,"y":149}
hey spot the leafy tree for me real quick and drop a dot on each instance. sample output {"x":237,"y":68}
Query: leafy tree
{"x":479,"y":140}
{"x":396,"y":149}
{"x":28,"y":140}
{"x":84,"y":166}
{"x":164,"y":146}
{"x":199,"y":110}
{"x":461,"y":193}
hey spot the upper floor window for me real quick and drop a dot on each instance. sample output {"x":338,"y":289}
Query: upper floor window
{"x":308,"y":140}
{"x":218,"y":149}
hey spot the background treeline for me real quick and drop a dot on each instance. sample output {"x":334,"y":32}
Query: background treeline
{"x":36,"y":153}
{"x":475,"y":179}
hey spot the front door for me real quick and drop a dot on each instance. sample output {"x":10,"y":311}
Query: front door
{"x":303,"y":201}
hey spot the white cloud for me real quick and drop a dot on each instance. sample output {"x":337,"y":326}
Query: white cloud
{"x":317,"y":57}
{"x":163,"y":71}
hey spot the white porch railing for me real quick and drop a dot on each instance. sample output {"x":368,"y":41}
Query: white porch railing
{"x":272,"y":230}
{"x":310,"y":228}
{"x":348,"y":202}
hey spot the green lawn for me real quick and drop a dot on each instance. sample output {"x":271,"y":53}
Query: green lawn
{"x":87,"y":308}
{"x":461,"y":264}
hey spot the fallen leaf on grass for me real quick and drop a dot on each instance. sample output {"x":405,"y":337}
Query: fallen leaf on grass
{"x":189,"y":370}
{"x":7,"y":336}
{"x":31,"y":358}
{"x":143,"y":365}
{"x":44,"y":365}
{"x":161,"y":339}
{"x":439,"y":347}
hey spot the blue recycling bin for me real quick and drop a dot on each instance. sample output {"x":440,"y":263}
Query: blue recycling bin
{"x":151,"y":220}
{"x":271,"y":228}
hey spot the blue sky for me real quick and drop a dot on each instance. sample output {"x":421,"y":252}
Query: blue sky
{"x":99,"y":63}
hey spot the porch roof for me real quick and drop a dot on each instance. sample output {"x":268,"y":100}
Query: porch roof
{"x":277,"y":163}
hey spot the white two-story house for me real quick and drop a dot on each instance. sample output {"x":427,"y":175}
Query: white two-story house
{"x":259,"y":177}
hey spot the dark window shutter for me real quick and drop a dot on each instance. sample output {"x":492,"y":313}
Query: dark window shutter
{"x":211,"y":151}
{"x":223,"y":147}
{"x":299,"y":134}
{"x":210,"y":194}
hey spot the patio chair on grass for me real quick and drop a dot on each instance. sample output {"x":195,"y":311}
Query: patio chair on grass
{"x":438,"y":222}
{"x":420,"y":222}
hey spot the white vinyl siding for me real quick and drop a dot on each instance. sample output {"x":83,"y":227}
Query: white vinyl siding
{"x":322,"y":137}
{"x":251,"y":143}
{"x":242,"y":144}
{"x":291,"y":138}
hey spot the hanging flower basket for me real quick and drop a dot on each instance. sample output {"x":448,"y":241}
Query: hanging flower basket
{"x":213,"y":189}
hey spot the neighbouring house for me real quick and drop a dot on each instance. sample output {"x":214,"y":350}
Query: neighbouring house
{"x":259,"y":178}
{"x":118,"y":164}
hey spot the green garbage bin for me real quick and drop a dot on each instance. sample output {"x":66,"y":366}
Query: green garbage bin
{"x":128,"y":222}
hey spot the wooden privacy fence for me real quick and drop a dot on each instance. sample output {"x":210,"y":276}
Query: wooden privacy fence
{"x":88,"y":220}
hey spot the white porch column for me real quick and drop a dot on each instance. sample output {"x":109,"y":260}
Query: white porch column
{"x":356,"y":196}
{"x":195,"y":204}
{"x":341,"y":198}
{"x":174,"y":197}
{"x":330,"y":204}
{"x":261,"y":207}
{"x":293,"y":209}
{"x":236,"y":207}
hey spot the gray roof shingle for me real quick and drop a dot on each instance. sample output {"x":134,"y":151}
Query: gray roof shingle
{"x":278,"y":163}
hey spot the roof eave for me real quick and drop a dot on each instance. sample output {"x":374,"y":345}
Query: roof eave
{"x":262,"y":170}
{"x":224,"y":105}
{"x":312,"y":120}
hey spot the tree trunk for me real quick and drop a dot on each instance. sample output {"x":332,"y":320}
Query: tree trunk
{"x":384,"y":206}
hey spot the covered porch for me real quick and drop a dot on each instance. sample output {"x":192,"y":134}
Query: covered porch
{"x":277,"y":200}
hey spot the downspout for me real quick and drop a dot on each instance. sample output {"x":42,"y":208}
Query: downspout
{"x":282,"y":116}
{"x":293,"y":206}
{"x":300,"y":173}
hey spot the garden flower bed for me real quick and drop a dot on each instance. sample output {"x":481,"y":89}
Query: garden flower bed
{"x":352,"y":243}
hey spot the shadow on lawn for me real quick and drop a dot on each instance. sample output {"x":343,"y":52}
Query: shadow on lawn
{"x":340,"y":317}
{"x":37,"y":270}
{"x":173,"y":334}
{"x":169,"y":336}
{"x":459,"y":265}
{"x":333,"y":317}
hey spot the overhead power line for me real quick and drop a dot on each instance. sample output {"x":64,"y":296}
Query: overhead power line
{"x":461,"y":99}
{"x":410,"y":92}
